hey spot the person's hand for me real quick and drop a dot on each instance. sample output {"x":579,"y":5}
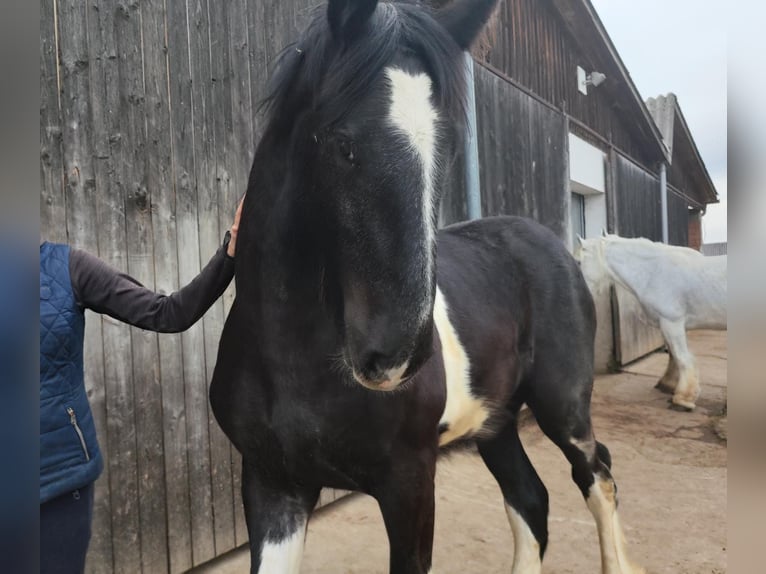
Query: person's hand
{"x":234,"y":228}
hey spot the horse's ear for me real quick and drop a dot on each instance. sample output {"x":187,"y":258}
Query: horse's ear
{"x":579,"y":239}
{"x":348,"y":17}
{"x":464,"y":19}
{"x":603,"y":232}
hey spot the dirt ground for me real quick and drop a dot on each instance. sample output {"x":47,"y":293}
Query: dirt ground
{"x":670,"y":468}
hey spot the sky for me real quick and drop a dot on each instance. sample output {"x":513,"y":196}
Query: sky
{"x":680,"y":46}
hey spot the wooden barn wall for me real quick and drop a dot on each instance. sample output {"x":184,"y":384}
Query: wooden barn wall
{"x":684,"y":173}
{"x":147,"y":128}
{"x":522,"y":154}
{"x":637,"y":194}
{"x":639,"y":214}
{"x":533,"y":47}
{"x":634,"y":336}
{"x":678,"y":219}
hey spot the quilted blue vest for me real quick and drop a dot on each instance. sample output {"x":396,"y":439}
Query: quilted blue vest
{"x":69,"y":453}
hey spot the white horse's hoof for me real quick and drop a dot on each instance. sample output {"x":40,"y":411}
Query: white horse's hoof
{"x":665,"y":387}
{"x":678,"y":404}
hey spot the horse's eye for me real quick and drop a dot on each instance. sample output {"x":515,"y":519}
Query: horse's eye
{"x":347,"y":149}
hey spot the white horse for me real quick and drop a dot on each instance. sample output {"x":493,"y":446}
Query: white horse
{"x":679,"y":290}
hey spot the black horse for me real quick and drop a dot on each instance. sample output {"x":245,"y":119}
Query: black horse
{"x":342,"y":276}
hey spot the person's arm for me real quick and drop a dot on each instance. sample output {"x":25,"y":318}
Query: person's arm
{"x":103,"y":289}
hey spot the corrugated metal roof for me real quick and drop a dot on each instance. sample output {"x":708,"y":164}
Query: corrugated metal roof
{"x":663,"y":110}
{"x":714,"y":248}
{"x":666,"y":112}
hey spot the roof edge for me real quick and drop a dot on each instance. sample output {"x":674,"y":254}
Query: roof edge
{"x":695,"y":149}
{"x":591,"y":11}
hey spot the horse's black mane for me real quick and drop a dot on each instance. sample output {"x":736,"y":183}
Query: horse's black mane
{"x":318,"y":73}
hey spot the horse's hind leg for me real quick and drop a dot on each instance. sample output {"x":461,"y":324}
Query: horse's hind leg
{"x":526,"y":499}
{"x":565,"y":419}
{"x":669,"y":381}
{"x":276,"y":524}
{"x":688,"y":388}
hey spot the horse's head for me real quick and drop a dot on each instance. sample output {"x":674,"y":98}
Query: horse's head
{"x":373,"y":95}
{"x":590,"y":254}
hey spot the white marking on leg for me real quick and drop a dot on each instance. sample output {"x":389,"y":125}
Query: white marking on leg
{"x":586,"y":446}
{"x":413,"y":114}
{"x":526,"y":548}
{"x":464,"y":413}
{"x":283,"y":556}
{"x":603,"y":505}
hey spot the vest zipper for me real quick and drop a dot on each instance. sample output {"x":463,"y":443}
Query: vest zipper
{"x":73,"y":420}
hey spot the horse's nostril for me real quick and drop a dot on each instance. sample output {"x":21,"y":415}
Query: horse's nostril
{"x":374,"y":364}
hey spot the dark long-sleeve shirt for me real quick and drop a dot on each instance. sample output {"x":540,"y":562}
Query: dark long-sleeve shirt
{"x":103,"y":289}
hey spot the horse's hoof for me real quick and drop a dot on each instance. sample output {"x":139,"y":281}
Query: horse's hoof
{"x":681,"y":405}
{"x":665,"y":388}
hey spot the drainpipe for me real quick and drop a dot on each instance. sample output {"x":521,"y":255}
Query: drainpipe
{"x":664,"y":200}
{"x":472,"y":183}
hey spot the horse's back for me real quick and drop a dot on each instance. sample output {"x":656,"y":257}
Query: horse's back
{"x":517,"y":300}
{"x":672,"y":283}
{"x":509,"y":259}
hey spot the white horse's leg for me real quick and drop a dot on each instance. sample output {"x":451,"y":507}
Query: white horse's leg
{"x":688,"y":388}
{"x":669,"y":381}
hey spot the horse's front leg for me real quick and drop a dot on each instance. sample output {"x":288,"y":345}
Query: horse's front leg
{"x":406,"y":499}
{"x":276,"y":519}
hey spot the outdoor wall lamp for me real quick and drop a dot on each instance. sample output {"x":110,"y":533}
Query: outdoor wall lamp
{"x":584,"y":80}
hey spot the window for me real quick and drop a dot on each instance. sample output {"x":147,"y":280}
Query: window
{"x":587,"y":183}
{"x":577,"y":216}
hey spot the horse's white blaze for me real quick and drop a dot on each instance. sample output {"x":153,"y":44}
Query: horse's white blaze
{"x":526,"y":548}
{"x":413,"y":114}
{"x":603,"y":505}
{"x":284,"y":556}
{"x":464,"y":413}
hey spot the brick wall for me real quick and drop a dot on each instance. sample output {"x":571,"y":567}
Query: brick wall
{"x":695,"y":230}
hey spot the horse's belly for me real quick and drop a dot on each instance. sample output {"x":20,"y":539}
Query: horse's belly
{"x":464,"y":413}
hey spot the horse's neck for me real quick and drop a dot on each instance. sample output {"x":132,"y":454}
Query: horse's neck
{"x":628,"y":271}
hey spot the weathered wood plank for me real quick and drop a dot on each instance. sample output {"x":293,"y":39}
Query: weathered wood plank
{"x":52,"y":199}
{"x":159,"y":170}
{"x":219,"y":192}
{"x":639,"y":206}
{"x":122,"y":80}
{"x":521,"y":155}
{"x":82,"y":230}
{"x":240,"y":526}
{"x":175,"y":412}
{"x":150,"y":148}
{"x":635,"y":337}
{"x":205,"y":206}
{"x":678,"y":219}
